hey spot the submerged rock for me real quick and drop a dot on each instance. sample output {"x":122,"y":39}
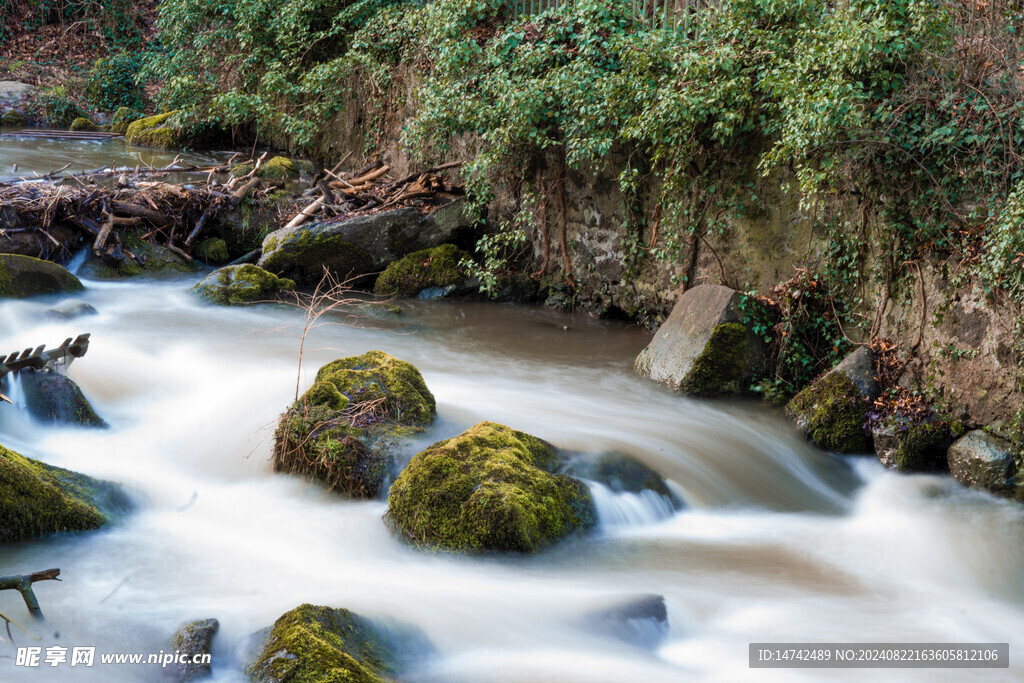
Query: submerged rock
{"x":641,"y":621}
{"x":832,"y":410}
{"x":906,"y":446}
{"x":619,"y":472}
{"x":491,"y":488}
{"x":53,"y":397}
{"x":360,"y":245}
{"x":342,"y":431}
{"x":23,"y":276}
{"x":72,"y":308}
{"x":37,"y":499}
{"x":194,"y":638}
{"x":703,"y":349}
{"x":428,"y":269}
{"x":982,"y":460}
{"x":236,"y":285}
{"x":321,"y":644}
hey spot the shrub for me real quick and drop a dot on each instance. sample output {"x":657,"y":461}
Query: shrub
{"x":112,"y":82}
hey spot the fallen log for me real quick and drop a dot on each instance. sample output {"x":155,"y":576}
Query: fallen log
{"x":23,"y":584}
{"x":150,"y":215}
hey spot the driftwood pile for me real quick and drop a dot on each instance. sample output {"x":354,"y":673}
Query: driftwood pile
{"x":369,"y":190}
{"x":162,"y":213}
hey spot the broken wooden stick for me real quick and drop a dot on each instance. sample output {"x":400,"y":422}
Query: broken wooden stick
{"x":301,"y":217}
{"x":23,"y":584}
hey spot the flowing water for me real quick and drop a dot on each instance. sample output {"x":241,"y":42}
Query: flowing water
{"x":41,"y":155}
{"x":777,"y":541}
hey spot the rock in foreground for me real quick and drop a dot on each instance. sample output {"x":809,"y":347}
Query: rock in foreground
{"x":55,"y":398}
{"x":37,"y":499}
{"x":245,"y":284}
{"x":194,"y":638}
{"x":703,"y":349}
{"x":22,"y":276}
{"x":342,"y":430}
{"x":491,"y":488}
{"x":313,"y":644}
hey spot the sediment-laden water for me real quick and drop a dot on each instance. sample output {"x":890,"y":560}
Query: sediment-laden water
{"x":777,"y":541}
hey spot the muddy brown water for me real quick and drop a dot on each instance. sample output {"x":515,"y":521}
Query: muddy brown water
{"x":777,"y":541}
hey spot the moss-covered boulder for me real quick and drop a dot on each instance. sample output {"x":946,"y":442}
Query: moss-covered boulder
{"x":436,"y":268}
{"x":491,"y":488}
{"x":82,"y":123}
{"x":194,"y":638}
{"x":124,"y":117}
{"x":154,"y":131}
{"x":343,"y":430}
{"x":37,"y":499}
{"x":907,"y":445}
{"x":213,"y":250}
{"x":12,"y":118}
{"x":237,"y":285}
{"x":312,"y":644}
{"x":703,"y":348}
{"x":23,"y":276}
{"x":832,"y":412}
{"x":983,"y":460}
{"x":357,"y":246}
{"x":54,"y":398}
{"x":283,"y":169}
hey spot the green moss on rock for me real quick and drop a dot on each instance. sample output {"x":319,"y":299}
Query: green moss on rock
{"x":37,"y":499}
{"x":213,"y":250}
{"x":342,"y":431}
{"x":832,"y":412}
{"x":721,"y":367}
{"x":124,"y":117}
{"x":241,"y":170}
{"x":312,"y":644}
{"x":303,"y":254}
{"x":237,"y":285}
{"x":278,"y":168}
{"x":437,"y":267}
{"x":154,"y":131}
{"x":53,"y":397}
{"x":12,"y":118}
{"x":23,"y":276}
{"x":84,"y":124}
{"x":491,"y":488}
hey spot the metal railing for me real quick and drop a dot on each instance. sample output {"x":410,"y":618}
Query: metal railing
{"x":681,"y":15}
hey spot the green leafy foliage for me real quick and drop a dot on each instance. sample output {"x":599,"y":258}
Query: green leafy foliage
{"x":118,"y":22}
{"x":112,"y":82}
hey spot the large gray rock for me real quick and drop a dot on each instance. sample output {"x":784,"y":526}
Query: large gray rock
{"x":23,"y":276}
{"x":981,"y":460}
{"x":13,"y":93}
{"x":359,"y":246}
{"x":53,"y":397}
{"x":861,"y":368}
{"x":194,"y":638}
{"x":703,"y":349}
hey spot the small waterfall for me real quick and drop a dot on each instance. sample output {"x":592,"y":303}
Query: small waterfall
{"x":15,"y":390}
{"x":622,"y":509}
{"x":76,"y":262}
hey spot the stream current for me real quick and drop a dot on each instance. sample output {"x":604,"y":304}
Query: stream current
{"x":777,"y":541}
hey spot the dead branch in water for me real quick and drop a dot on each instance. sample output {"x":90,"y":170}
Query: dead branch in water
{"x":23,"y":584}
